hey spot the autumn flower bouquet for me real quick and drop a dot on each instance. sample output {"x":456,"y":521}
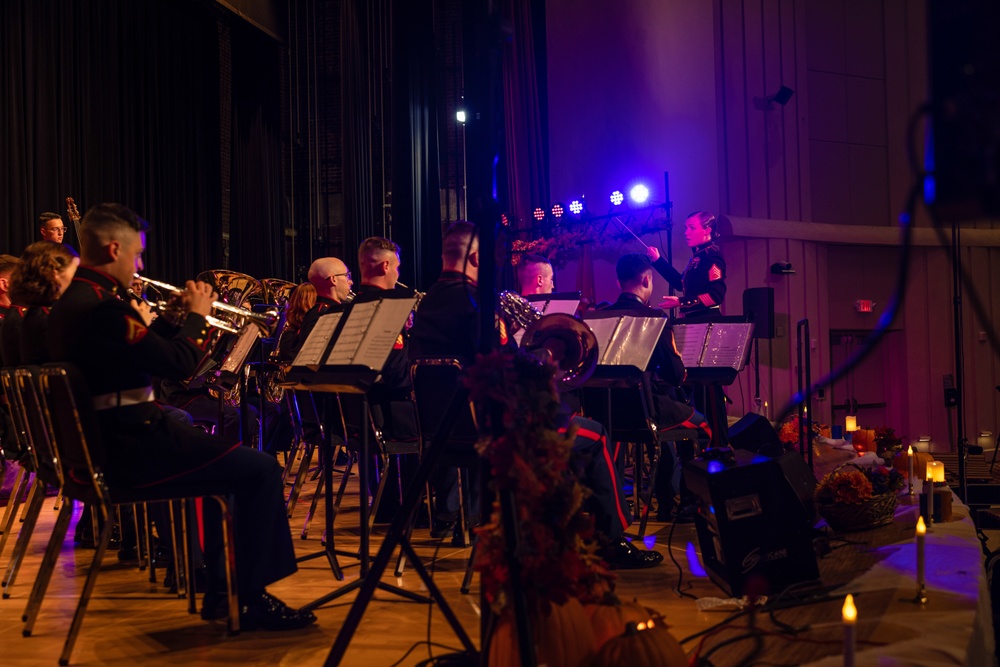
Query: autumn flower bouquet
{"x":788,"y":433}
{"x":856,"y":498}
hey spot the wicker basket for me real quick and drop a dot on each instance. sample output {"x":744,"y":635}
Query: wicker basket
{"x":845,"y":518}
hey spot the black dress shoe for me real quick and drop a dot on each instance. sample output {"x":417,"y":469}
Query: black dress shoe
{"x":442,"y":528}
{"x":625,"y":556}
{"x":270,"y":613}
{"x":265,"y":613}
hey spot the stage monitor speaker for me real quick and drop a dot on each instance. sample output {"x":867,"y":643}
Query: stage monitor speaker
{"x":758,"y":307}
{"x":755,"y":521}
{"x":754,"y":433}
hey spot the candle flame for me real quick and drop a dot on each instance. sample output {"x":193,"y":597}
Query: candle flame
{"x":935,"y":471}
{"x":909,"y":450}
{"x":850,"y":611}
{"x":921,"y":526}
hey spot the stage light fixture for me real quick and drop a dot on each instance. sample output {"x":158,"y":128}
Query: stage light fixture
{"x":505,"y":220}
{"x":617,"y":198}
{"x":639,"y":193}
{"x":576,"y":207}
{"x":539,"y":214}
{"x":460,"y":116}
{"x":557,"y":210}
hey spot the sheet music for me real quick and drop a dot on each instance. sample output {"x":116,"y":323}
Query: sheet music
{"x":382,"y":332}
{"x":234,"y":360}
{"x":626,"y":340}
{"x":714,"y":345}
{"x":312,"y":351}
{"x":727,"y":345}
{"x":603,"y":329}
{"x":566,"y":306}
{"x":690,"y":339}
{"x":345,"y":348}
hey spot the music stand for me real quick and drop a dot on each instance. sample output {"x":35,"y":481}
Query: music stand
{"x":345,"y":353}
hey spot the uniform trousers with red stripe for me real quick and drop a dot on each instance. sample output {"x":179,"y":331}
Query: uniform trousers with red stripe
{"x":669,"y":481}
{"x":593,"y":461}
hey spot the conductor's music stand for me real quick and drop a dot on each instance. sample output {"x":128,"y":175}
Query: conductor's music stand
{"x":345,"y":353}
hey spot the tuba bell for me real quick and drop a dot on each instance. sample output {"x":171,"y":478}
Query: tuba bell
{"x":566,"y":341}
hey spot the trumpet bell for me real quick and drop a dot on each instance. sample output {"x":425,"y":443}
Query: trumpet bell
{"x":570,"y":343}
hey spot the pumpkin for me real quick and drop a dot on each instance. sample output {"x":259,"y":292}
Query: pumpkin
{"x":920,"y":459}
{"x":651,"y":646}
{"x":562,"y":638}
{"x":609,"y":620}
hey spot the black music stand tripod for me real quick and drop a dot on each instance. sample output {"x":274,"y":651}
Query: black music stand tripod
{"x":360,"y":386}
{"x":397,"y":535}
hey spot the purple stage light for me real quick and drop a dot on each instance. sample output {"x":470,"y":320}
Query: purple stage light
{"x":639,"y":194}
{"x":617,"y":198}
{"x":539,"y":214}
{"x":576,"y":207}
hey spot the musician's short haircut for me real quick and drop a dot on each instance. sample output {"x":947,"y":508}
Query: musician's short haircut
{"x":530,"y":259}
{"x":106,"y":222}
{"x":708,"y":221}
{"x":375,"y":250}
{"x":630,"y":268}
{"x":48,"y":215}
{"x":7,"y":264}
{"x":458,"y":241}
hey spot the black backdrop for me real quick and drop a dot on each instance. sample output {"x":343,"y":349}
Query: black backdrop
{"x":118,"y":100}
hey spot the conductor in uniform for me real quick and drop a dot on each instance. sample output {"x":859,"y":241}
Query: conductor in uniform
{"x":704,"y":279}
{"x":118,"y":351}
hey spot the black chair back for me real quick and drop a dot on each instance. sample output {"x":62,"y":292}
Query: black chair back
{"x":16,"y":444}
{"x":435,"y":380}
{"x":72,"y":420}
{"x":39,"y":443}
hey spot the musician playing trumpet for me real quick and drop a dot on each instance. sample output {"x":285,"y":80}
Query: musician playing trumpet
{"x":118,"y":352}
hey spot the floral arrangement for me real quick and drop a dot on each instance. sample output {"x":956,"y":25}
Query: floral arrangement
{"x":887,"y":444}
{"x":788,"y":434}
{"x":530,"y":456}
{"x":852,"y":485}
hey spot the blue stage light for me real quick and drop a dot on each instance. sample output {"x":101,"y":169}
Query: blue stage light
{"x":639,"y":194}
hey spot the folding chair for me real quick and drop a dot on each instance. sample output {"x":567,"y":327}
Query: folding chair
{"x":73,"y":428}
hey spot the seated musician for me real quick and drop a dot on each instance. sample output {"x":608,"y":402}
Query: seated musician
{"x":118,"y":352}
{"x":447,"y":325}
{"x":332,"y":281}
{"x":44,"y":273}
{"x":302,"y":299}
{"x":535,"y":275}
{"x":635,"y":278}
{"x":7,"y":265}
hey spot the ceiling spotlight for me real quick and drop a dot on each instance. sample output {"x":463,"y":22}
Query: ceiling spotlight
{"x":639,"y":194}
{"x":460,"y":116}
{"x":558,"y":210}
{"x":539,"y":214}
{"x":576,"y":207}
{"x":617,"y":198}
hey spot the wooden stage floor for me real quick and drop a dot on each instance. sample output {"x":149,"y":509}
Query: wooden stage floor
{"x":132,"y":622}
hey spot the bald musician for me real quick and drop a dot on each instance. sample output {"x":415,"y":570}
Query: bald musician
{"x":332,"y":280}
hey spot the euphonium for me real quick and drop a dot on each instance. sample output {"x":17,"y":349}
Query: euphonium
{"x":265,"y":321}
{"x":567,"y":342}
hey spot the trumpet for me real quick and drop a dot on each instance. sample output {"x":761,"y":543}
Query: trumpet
{"x":265,"y":321}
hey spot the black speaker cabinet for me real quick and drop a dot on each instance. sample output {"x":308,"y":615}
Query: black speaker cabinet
{"x":758,"y":307}
{"x":755,"y":434}
{"x":755,"y":521}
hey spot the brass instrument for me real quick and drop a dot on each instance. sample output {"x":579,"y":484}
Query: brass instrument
{"x":419,"y":295}
{"x":277,"y":291}
{"x":240,"y":316}
{"x":234,"y":288}
{"x":566,"y":341}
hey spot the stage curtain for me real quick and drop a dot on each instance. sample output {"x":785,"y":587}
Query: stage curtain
{"x":118,"y":100}
{"x":524,"y":111}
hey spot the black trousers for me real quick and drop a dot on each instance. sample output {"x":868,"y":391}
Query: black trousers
{"x":150,"y":452}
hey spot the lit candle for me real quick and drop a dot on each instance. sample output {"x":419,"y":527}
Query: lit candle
{"x":851,"y":423}
{"x":909,"y":465}
{"x":921,"y":537}
{"x":850,"y":613}
{"x":935,"y":473}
